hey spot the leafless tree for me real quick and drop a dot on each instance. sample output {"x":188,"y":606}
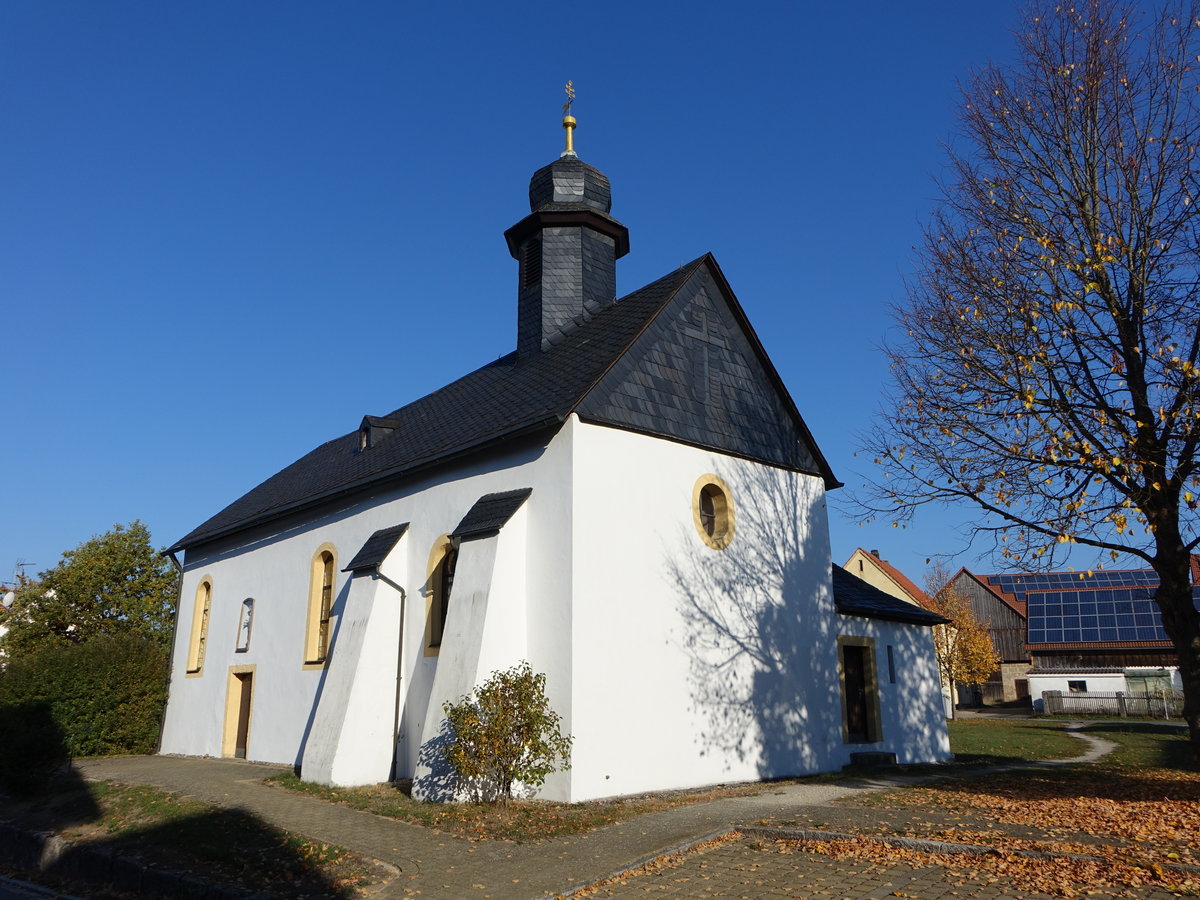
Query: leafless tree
{"x":1048,"y":368}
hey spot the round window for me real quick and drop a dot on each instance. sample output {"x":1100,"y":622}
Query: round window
{"x":712,"y":511}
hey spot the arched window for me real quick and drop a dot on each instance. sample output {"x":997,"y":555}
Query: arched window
{"x":441,"y":583}
{"x":199,"y":637}
{"x":320,"y":606}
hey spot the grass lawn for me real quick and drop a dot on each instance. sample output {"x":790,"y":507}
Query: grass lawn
{"x":180,"y":834}
{"x":520,"y":820}
{"x":975,"y":740}
{"x":1151,"y":745}
{"x":1010,"y":740}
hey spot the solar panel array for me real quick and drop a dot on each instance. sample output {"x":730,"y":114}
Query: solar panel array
{"x":1116,"y":615}
{"x":1020,"y":585}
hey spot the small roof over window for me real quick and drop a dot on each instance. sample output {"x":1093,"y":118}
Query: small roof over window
{"x":490,"y":513}
{"x":376,"y":549}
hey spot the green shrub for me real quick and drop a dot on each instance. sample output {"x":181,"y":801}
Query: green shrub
{"x":505,"y":734}
{"x":106,"y":695}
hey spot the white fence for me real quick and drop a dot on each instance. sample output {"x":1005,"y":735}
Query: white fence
{"x":1155,"y":705}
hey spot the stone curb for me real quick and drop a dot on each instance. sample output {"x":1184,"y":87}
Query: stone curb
{"x":36,"y":889}
{"x":651,"y":857}
{"x":37,"y":851}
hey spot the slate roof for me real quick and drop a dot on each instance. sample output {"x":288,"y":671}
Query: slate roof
{"x":490,"y":513}
{"x":376,"y":549}
{"x":498,"y":402}
{"x":854,"y":597}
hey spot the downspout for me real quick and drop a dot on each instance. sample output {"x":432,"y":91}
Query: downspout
{"x":162,"y":719}
{"x":399,"y":672}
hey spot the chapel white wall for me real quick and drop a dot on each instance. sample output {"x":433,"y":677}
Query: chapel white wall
{"x":600,"y":580}
{"x":355,"y":719}
{"x":274,"y":568}
{"x":694,"y":666}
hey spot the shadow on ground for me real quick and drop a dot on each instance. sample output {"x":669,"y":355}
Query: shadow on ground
{"x":133,"y":839}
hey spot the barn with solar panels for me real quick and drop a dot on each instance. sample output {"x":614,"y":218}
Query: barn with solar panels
{"x":1081,"y":631}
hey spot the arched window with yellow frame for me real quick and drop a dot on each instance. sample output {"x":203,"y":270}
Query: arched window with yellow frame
{"x":198,"y":640}
{"x":443,"y":560}
{"x":320,"y":605}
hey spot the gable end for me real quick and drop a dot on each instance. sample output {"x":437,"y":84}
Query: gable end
{"x":698,"y":374}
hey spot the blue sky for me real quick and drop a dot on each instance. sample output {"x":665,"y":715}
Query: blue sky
{"x":230,"y":229}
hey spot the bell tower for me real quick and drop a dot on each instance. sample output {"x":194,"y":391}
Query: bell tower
{"x":567,"y":247}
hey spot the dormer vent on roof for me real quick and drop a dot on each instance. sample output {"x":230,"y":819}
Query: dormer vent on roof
{"x":567,"y":249}
{"x":374,"y":429}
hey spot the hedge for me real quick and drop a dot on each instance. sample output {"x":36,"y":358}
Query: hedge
{"x":106,"y":695}
{"x":32,"y":748}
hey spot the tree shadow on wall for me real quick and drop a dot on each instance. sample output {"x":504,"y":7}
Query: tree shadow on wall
{"x":439,"y":783}
{"x":759,"y":628}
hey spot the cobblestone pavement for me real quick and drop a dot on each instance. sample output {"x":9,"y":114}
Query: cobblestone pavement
{"x":432,"y":864}
{"x":749,"y":868}
{"x":439,"y":865}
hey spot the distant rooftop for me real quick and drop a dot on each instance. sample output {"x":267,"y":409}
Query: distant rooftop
{"x":1102,"y":606}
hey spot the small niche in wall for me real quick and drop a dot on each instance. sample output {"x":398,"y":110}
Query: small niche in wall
{"x":245,"y":623}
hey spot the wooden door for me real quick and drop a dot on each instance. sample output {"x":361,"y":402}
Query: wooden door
{"x":245,"y":692}
{"x":854,"y":673}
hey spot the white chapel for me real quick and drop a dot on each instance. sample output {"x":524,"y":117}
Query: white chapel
{"x":629,"y":500}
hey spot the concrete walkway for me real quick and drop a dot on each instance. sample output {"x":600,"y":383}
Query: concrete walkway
{"x":443,"y":865}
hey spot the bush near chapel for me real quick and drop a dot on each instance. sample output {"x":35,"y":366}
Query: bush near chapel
{"x":84,"y":664}
{"x":32,"y":749}
{"x":504,"y":734}
{"x":106,"y":696}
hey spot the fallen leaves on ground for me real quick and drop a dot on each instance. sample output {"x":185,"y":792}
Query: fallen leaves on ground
{"x":658,"y":864}
{"x":1061,"y":876}
{"x":1141,"y":826}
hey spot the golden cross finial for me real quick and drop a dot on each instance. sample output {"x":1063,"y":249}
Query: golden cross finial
{"x":568,"y":119}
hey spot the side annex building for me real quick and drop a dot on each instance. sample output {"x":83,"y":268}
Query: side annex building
{"x":630,"y":500}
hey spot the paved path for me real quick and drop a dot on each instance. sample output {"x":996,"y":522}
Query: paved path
{"x":439,"y":865}
{"x":443,"y":865}
{"x":747,"y":868}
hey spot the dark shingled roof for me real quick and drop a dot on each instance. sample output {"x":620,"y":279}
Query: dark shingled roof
{"x":490,"y":513}
{"x":377,"y":547}
{"x":502,"y":400}
{"x":854,"y":597}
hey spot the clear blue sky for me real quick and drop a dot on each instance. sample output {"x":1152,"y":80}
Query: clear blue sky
{"x":230,"y":229}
